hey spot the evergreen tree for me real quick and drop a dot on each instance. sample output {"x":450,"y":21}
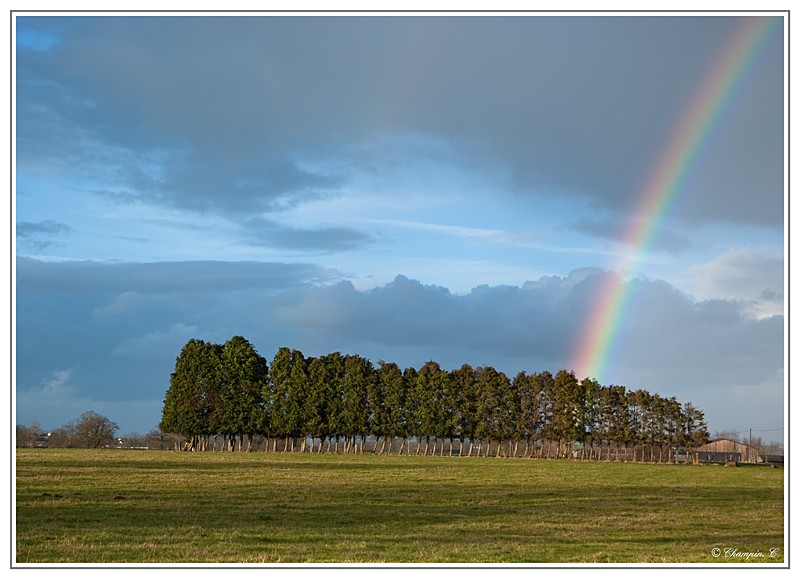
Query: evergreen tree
{"x":591,"y":410}
{"x":393,"y":390}
{"x":244,"y":379}
{"x":568,"y":409}
{"x":696,"y":430}
{"x":297,"y":398}
{"x":278,"y":387}
{"x":317,"y":401}
{"x":465,"y":401}
{"x":358,"y":372}
{"x":335,"y":372}
{"x":230,"y":390}
{"x":192,"y":404}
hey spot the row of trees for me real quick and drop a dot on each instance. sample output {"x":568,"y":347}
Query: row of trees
{"x":90,"y":430}
{"x":315,"y":403}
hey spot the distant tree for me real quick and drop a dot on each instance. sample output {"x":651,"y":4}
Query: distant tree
{"x":377,"y":419}
{"x":277,"y":394}
{"x":529,"y":417}
{"x":23,"y":437}
{"x":27,"y":435}
{"x":568,"y":404}
{"x":673,"y":418}
{"x":545,"y":383}
{"x":393,"y":390}
{"x":427,"y":392}
{"x":506,"y":413}
{"x":157,"y":440}
{"x":465,"y":400}
{"x":412,"y":405}
{"x":494,"y":417}
{"x":244,"y":375}
{"x":772,"y":447}
{"x":696,"y":430}
{"x":335,"y":371}
{"x":441,"y":398}
{"x":589,"y":420}
{"x":133,"y":440}
{"x":93,"y":430}
{"x":296,"y":408}
{"x":317,"y":402}
{"x":62,"y":437}
{"x":358,"y":373}
{"x":193,"y":402}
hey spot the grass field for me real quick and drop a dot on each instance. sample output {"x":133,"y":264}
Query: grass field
{"x":167,"y":507}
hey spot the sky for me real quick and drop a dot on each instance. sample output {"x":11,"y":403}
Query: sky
{"x":456,"y":188}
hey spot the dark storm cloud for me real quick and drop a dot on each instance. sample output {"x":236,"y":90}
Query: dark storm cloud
{"x":225,"y":113}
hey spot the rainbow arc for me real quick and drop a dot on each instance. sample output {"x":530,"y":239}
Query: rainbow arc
{"x":667,"y":179}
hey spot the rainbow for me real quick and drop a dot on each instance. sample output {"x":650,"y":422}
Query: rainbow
{"x":595,"y":345}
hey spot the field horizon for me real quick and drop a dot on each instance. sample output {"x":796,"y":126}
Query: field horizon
{"x":112,"y":506}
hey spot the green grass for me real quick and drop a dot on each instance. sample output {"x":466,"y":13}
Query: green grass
{"x":169,"y":507}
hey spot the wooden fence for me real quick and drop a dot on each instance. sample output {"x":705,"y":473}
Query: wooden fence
{"x":540,"y":449}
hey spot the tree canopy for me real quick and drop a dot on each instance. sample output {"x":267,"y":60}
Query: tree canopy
{"x":230,"y":390}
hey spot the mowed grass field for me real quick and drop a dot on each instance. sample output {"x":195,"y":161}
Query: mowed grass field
{"x":110,"y":506}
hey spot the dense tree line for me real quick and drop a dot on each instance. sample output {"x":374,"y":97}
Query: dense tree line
{"x":332,"y":403}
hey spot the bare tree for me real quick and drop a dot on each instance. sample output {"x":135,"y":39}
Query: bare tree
{"x":93,"y":430}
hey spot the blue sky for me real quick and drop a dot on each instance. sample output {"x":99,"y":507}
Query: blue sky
{"x":406,"y":188}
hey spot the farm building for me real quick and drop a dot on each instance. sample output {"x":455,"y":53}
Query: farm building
{"x":725,"y":449}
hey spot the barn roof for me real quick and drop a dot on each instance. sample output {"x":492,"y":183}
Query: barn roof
{"x":730,"y":440}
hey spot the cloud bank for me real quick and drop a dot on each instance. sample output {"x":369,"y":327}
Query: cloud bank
{"x":134,"y":321}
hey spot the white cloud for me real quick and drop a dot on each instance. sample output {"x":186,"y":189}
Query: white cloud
{"x":752,"y":276}
{"x":57,"y":383}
